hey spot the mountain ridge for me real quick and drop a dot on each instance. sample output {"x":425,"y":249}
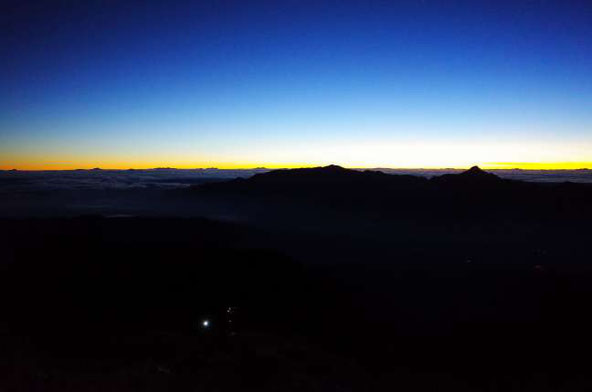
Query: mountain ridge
{"x":473,"y":192}
{"x":332,"y":174}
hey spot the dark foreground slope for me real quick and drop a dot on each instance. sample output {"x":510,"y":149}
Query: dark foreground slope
{"x":95,"y":304}
{"x":474,"y":283}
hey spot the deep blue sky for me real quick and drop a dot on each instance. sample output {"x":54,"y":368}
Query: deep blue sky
{"x":284,"y":83}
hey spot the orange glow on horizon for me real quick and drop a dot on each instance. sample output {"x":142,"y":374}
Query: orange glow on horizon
{"x":290,"y":165}
{"x":363,"y":154}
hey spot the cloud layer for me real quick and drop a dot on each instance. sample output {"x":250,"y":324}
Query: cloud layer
{"x":24,"y":181}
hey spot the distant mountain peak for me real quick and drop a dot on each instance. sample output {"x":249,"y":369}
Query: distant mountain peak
{"x":333,"y":168}
{"x":330,"y":171}
{"x":475,"y":175}
{"x":477,"y":172}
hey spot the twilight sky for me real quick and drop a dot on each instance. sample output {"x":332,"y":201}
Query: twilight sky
{"x":409,"y":83}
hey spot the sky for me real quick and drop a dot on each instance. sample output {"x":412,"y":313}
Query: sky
{"x":241,"y":84}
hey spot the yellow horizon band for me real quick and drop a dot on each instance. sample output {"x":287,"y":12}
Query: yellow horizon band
{"x":247,"y":166}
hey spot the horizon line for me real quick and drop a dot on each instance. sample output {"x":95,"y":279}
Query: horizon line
{"x":487,"y":166}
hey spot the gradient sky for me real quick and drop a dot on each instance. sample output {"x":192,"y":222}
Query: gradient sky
{"x":416,"y":83}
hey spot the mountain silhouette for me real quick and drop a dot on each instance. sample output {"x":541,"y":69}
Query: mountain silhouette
{"x":326,"y":173}
{"x":332,"y":179}
{"x":474,"y":176}
{"x":473,"y":192}
{"x":476,"y":173}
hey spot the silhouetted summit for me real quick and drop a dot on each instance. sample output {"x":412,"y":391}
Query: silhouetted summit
{"x":317,"y":181}
{"x":334,"y":178}
{"x":476,"y":172}
{"x":474,"y":175}
{"x":329,"y":173}
{"x":337,"y":182}
{"x":324,"y":171}
{"x":473,"y":193}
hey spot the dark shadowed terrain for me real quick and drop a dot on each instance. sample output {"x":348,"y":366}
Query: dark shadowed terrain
{"x":306,"y":279}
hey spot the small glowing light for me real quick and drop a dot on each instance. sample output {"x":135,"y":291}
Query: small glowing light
{"x":205,"y":323}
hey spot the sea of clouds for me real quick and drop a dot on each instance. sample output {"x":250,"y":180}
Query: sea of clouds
{"x":19,"y":181}
{"x":114,"y":179}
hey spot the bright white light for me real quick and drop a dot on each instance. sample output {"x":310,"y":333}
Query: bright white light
{"x":205,"y":323}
